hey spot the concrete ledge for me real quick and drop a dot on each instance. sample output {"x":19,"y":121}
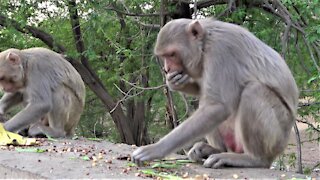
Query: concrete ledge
{"x":64,"y":159}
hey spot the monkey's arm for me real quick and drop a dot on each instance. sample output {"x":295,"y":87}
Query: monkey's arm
{"x":207,"y":117}
{"x":30,"y":114}
{"x":8,"y":100}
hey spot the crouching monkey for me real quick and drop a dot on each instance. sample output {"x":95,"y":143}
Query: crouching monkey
{"x":248,"y":96}
{"x":51,"y":90}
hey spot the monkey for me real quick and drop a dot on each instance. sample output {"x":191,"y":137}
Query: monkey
{"x":31,"y":130}
{"x":50,"y":89}
{"x":247,"y":95}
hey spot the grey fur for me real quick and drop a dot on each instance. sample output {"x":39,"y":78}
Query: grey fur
{"x":243,"y":84}
{"x":53,"y":90}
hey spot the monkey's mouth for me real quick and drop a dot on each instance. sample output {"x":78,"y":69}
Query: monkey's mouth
{"x":9,"y":90}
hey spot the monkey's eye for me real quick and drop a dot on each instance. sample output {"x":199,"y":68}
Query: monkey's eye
{"x":1,"y":78}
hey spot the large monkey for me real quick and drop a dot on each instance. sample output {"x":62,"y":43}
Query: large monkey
{"x":248,"y":96}
{"x":51,"y":90}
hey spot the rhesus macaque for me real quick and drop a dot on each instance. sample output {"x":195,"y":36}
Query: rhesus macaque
{"x":49,"y":87}
{"x":248,"y":96}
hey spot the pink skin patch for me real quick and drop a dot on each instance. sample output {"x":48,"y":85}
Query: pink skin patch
{"x":230,"y":141}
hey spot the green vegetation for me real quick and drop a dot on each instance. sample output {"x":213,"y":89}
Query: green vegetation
{"x":117,"y":55}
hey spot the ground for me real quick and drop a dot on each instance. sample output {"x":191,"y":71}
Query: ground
{"x":83,"y":158}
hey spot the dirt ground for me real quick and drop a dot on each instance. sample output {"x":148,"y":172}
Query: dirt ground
{"x":310,"y":150}
{"x":84,"y":158}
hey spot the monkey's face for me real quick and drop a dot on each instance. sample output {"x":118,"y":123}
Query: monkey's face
{"x":180,"y":45}
{"x":11,"y":73}
{"x":171,"y":60}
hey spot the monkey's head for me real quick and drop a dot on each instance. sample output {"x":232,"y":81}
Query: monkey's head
{"x":11,"y":71}
{"x":180,"y":45}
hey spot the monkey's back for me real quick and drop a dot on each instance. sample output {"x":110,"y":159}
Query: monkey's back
{"x":56,"y":69}
{"x":251,"y":59}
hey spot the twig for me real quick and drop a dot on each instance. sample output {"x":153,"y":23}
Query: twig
{"x":144,"y":88}
{"x":186,"y":107}
{"x":315,"y":166}
{"x":122,"y":92}
{"x":153,"y":26}
{"x":127,"y":94}
{"x":125,"y":97}
{"x":310,"y":90}
{"x":228,"y":10}
{"x":298,"y":139}
{"x":298,"y":50}
{"x":94,"y":129}
{"x":311,"y":53}
{"x":311,"y":140}
{"x":195,"y":9}
{"x":308,"y":104}
{"x":309,"y":124}
{"x":132,"y":14}
{"x":285,"y":39}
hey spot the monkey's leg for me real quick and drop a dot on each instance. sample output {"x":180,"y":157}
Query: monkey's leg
{"x":35,"y":130}
{"x":263,"y":123}
{"x":56,"y":118}
{"x":41,"y":130}
{"x":201,"y":150}
{"x":76,"y":108}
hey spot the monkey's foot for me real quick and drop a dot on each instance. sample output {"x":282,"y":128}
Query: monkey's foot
{"x":147,"y":153}
{"x":235,"y":160}
{"x":201,"y":151}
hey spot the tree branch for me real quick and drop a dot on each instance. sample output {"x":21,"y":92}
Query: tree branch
{"x":152,"y":26}
{"x":112,"y":8}
{"x":309,"y":124}
{"x":298,"y":139}
{"x":37,"y":33}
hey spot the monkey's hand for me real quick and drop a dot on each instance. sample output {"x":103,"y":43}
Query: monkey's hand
{"x":201,"y":151}
{"x":177,"y":80}
{"x":147,"y":153}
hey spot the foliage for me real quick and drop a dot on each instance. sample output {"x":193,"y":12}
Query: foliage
{"x":119,"y":38}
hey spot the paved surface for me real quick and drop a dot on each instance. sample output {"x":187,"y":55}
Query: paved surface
{"x":91,"y":159}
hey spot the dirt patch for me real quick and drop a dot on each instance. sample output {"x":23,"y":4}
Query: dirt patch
{"x":310,"y":148}
{"x":91,"y":159}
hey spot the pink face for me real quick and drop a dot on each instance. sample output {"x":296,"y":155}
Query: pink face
{"x":10,"y":84}
{"x":172,"y":61}
{"x":11,"y":73}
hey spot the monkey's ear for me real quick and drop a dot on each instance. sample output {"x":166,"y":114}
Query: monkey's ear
{"x":195,"y":30}
{"x":13,"y":58}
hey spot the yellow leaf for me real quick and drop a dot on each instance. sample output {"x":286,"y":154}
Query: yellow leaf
{"x":9,"y":138}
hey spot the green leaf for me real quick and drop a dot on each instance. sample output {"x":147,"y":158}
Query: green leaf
{"x":95,"y":139}
{"x":165,"y":165}
{"x":184,"y":161}
{"x":160,"y":174}
{"x":312,"y":79}
{"x":130,"y":164}
{"x":51,"y":139}
{"x":35,"y":150}
{"x":86,"y":158}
